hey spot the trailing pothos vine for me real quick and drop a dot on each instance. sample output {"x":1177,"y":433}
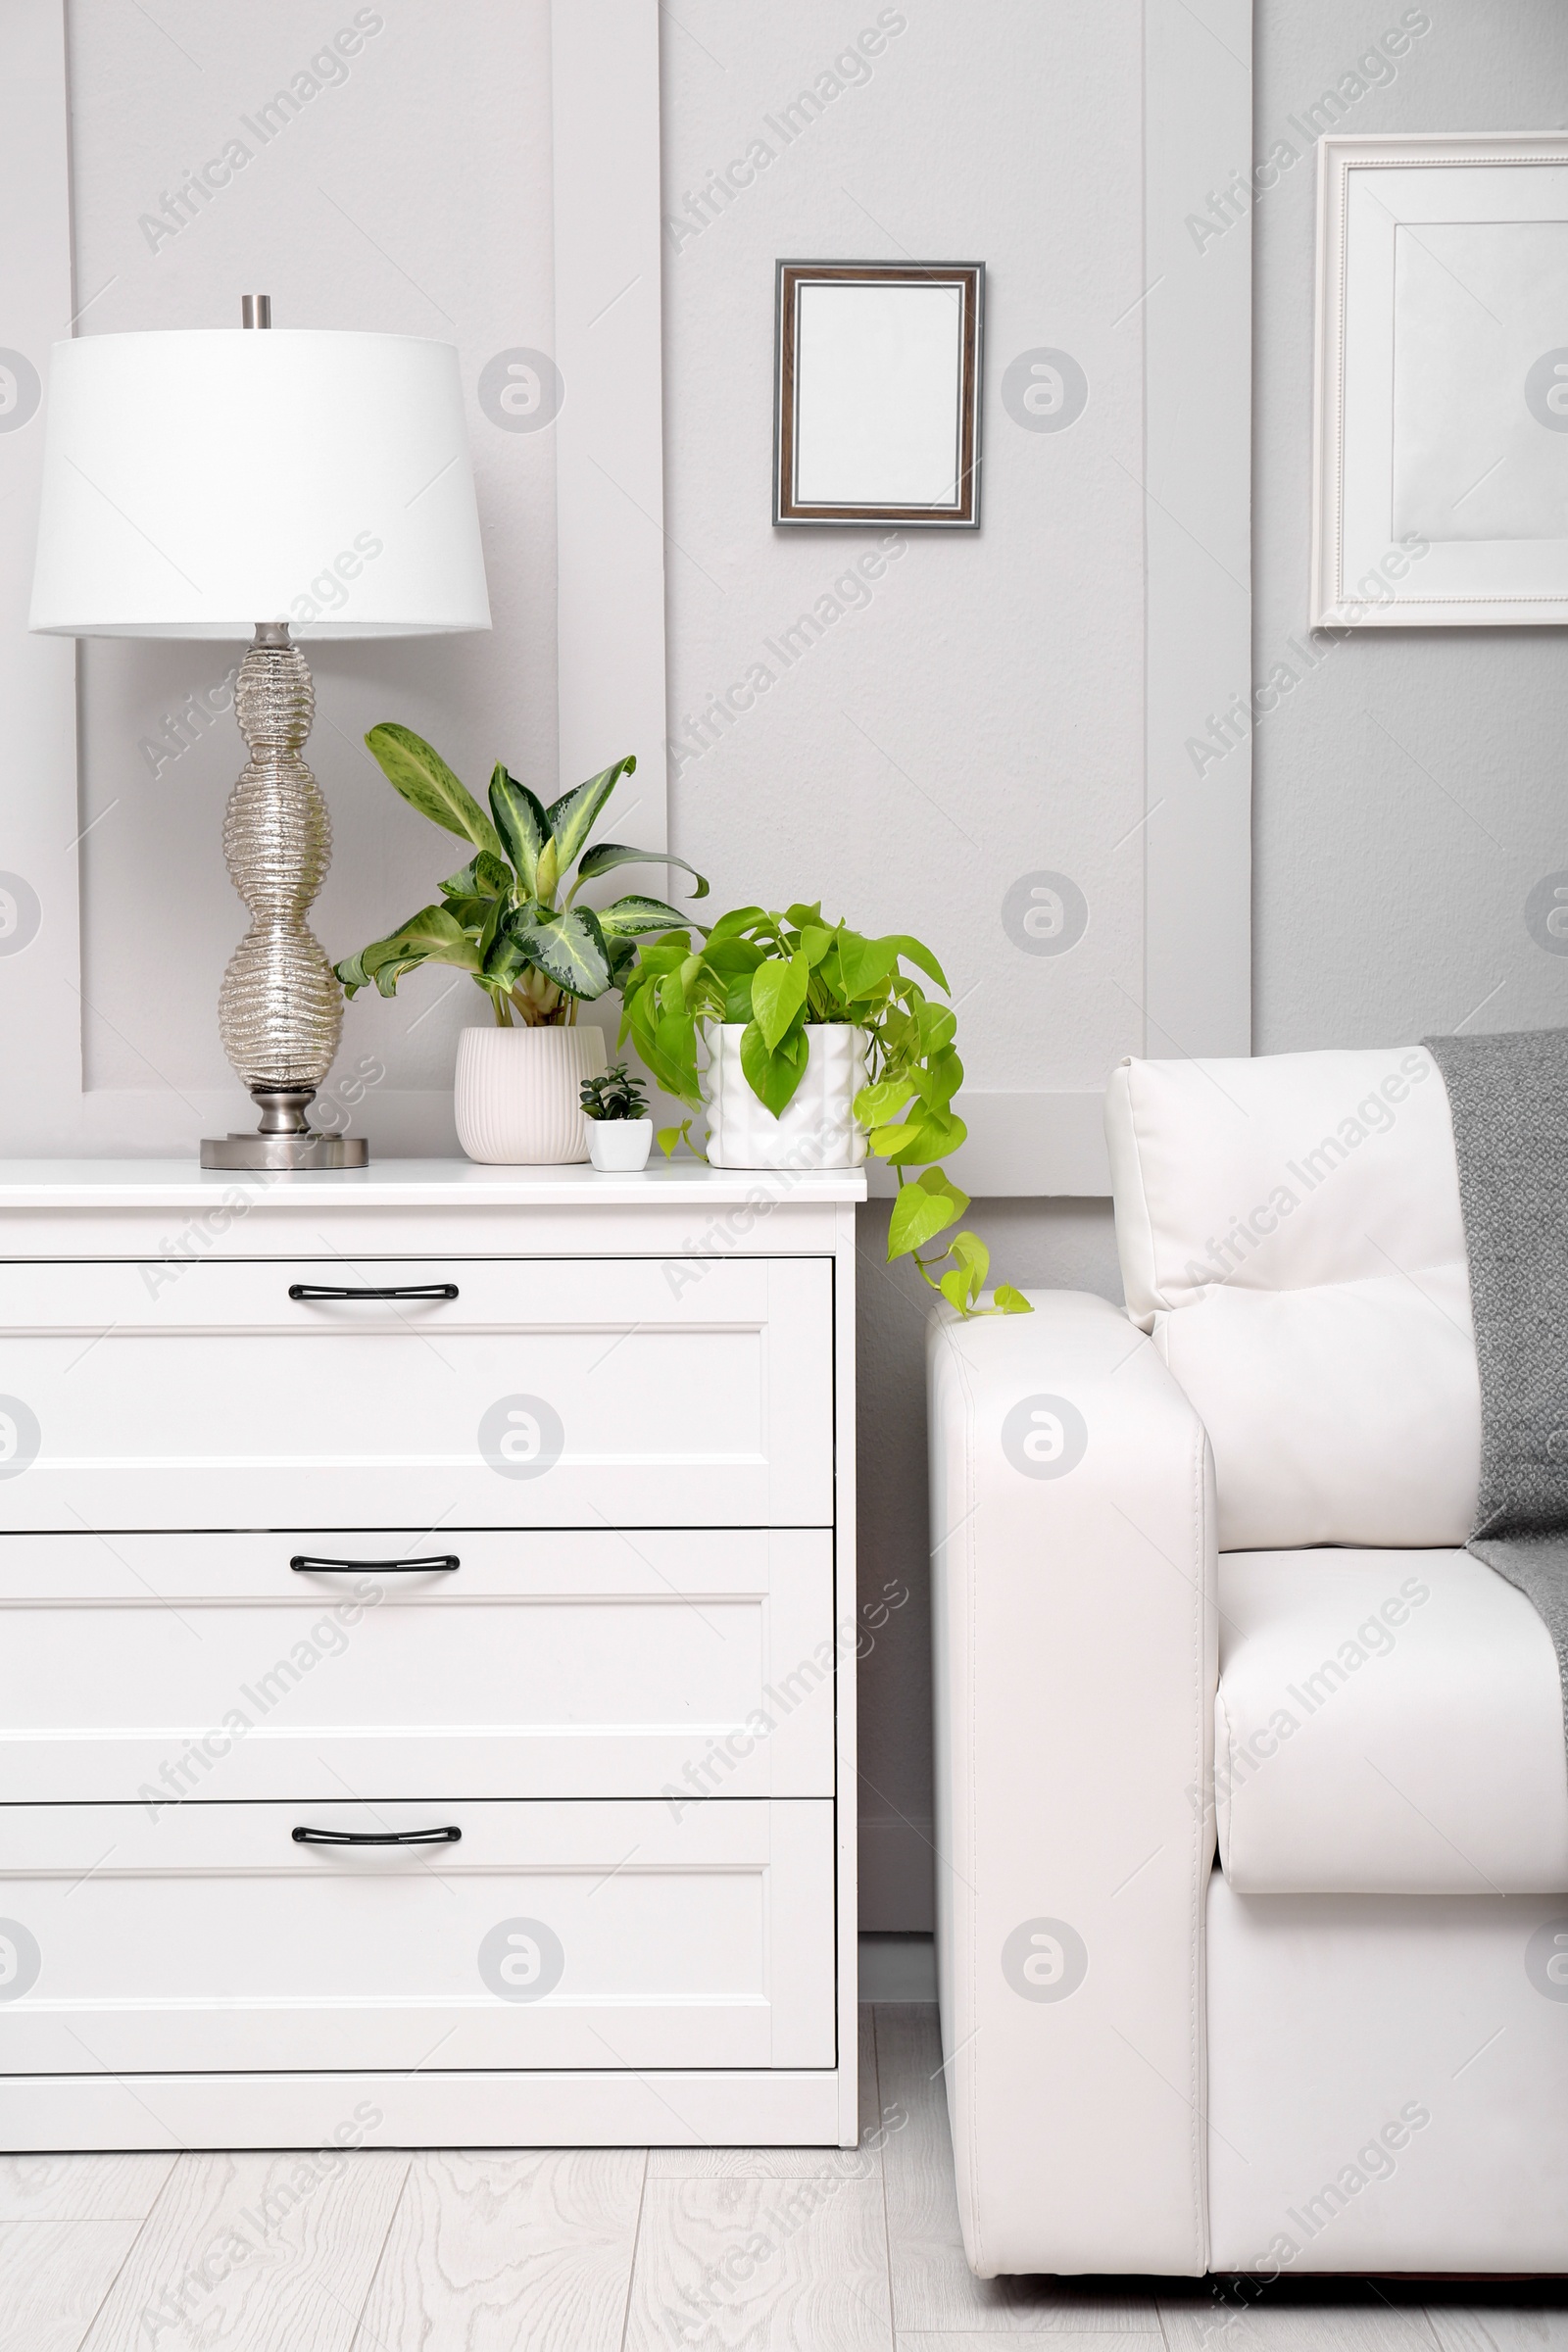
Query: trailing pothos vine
{"x":781,"y":974}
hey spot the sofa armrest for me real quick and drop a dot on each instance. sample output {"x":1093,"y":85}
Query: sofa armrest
{"x":1074,"y":1628}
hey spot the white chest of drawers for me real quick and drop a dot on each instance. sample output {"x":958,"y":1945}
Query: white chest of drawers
{"x":427,"y":1657}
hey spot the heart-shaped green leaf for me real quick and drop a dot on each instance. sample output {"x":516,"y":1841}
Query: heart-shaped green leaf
{"x":865,"y":963}
{"x":778,"y":994}
{"x":921,"y":1210}
{"x":888,"y":1142}
{"x":774,"y":1075}
{"x":921,"y":957}
{"x":875,"y":1106}
{"x":960,"y":1286}
{"x":930,"y":1137}
{"x":735,"y":925}
{"x":938,"y":1027}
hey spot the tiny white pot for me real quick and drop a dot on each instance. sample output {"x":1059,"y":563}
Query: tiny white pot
{"x":619,"y":1146}
{"x":516,"y":1097}
{"x":818,"y":1128}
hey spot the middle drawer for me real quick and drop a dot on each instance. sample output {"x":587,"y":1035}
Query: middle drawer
{"x":154,"y":1669}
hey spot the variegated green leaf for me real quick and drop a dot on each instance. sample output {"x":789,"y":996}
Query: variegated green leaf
{"x":432,"y":936}
{"x":633,"y":916}
{"x":419,"y":773}
{"x":521,"y":821}
{"x":571,"y":818}
{"x":473,"y":913}
{"x":484,"y":877}
{"x":606,"y":854}
{"x":567,"y":945}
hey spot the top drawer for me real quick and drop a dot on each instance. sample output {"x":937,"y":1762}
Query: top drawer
{"x":522,"y":1393}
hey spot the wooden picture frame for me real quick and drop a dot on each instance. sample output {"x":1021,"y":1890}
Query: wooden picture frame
{"x":876,"y":412}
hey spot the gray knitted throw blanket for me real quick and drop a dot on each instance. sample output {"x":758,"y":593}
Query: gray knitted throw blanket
{"x":1508,"y":1096}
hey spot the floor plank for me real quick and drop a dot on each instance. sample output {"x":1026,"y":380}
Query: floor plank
{"x":496,"y":2249}
{"x":934,"y":2289}
{"x":255,"y":2253}
{"x":1495,"y":2328}
{"x":1057,"y":2340}
{"x":53,"y":2276}
{"x":862,"y":2163}
{"x":80,"y":2189}
{"x":1364,"y":2322}
{"x":762,"y":2266}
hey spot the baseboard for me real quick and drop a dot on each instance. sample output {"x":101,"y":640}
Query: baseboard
{"x":665,"y":2108}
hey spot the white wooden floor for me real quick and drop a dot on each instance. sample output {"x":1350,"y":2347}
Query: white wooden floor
{"x":624,"y":2250}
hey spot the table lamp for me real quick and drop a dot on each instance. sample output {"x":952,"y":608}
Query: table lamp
{"x":194,"y":479}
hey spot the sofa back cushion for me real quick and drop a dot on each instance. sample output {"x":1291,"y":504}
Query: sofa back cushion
{"x":1290,"y":1231}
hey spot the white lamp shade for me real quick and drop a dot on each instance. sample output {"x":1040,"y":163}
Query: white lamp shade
{"x":198,"y":481}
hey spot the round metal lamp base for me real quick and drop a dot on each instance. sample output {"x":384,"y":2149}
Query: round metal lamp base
{"x":284,"y":1142}
{"x":285,"y":1155}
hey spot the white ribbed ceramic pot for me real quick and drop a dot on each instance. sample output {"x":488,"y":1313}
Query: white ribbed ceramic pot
{"x":818,"y":1128}
{"x":517,"y":1097}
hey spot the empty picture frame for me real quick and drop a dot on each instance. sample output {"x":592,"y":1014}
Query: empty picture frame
{"x":1441,"y":465}
{"x":877,"y":393}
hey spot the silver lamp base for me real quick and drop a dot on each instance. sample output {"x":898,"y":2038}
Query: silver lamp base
{"x":281,"y":1009}
{"x":284,"y":1142}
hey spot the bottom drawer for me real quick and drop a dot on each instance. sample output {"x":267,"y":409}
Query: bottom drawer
{"x":549,"y":1935}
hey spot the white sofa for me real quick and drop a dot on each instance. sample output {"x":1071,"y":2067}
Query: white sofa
{"x":1198,"y":1580}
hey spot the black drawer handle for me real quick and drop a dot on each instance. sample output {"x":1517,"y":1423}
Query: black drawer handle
{"x":303,"y":1564}
{"x":417,"y":1290}
{"x":449,"y":1837}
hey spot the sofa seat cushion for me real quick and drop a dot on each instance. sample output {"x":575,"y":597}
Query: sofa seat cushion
{"x":1387,"y":1723}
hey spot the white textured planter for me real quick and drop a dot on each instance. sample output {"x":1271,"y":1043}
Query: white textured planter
{"x":818,"y":1129}
{"x":517,"y":1097}
{"x":619,"y":1146}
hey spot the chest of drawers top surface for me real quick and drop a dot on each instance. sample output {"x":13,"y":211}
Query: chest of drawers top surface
{"x":413,"y":1207}
{"x":103,"y":1184}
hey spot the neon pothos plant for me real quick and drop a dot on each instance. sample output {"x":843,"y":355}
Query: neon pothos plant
{"x":781,"y":974}
{"x":502,"y":917}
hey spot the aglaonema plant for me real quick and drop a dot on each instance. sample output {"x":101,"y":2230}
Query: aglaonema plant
{"x":510,"y":918}
{"x":782,"y":974}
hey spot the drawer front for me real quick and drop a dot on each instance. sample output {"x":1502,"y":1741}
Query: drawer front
{"x":157,"y":1669}
{"x":546,"y":1393}
{"x":590,"y":1935}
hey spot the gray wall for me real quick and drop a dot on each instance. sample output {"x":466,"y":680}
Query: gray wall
{"x":1408,"y":793}
{"x":1066,"y":1245}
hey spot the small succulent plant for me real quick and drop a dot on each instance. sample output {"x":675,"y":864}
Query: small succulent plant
{"x":613,"y":1094}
